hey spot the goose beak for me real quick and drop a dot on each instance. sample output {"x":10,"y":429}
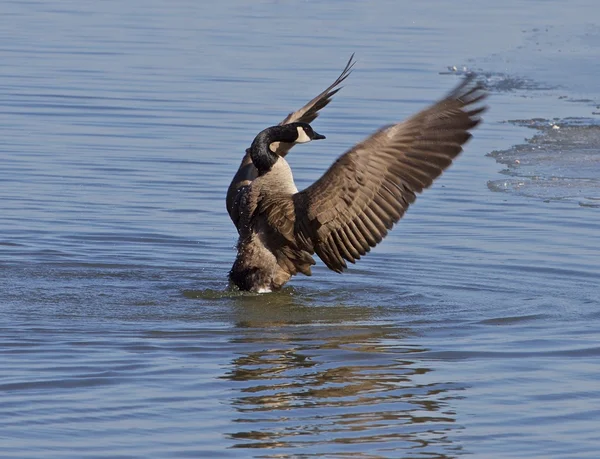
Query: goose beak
{"x":318,"y":136}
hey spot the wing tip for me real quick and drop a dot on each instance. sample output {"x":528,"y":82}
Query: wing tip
{"x":469,"y":91}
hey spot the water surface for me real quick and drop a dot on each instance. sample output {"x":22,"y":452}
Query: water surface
{"x":473,"y":329}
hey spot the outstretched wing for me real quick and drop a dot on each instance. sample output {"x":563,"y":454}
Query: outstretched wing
{"x":246,"y":173}
{"x":353,"y":205}
{"x":310,"y":111}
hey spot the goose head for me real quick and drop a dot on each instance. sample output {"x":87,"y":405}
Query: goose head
{"x":304,"y":133}
{"x":263,"y":150}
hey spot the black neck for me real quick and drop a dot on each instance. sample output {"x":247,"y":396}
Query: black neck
{"x":262,"y":156}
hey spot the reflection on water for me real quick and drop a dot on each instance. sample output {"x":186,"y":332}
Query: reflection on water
{"x":353,"y":387}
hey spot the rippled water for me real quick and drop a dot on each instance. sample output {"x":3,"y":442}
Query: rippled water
{"x":561,"y":162}
{"x":473,"y":329}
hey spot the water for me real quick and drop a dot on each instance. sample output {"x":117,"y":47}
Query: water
{"x":550,"y":164}
{"x":473,"y":329}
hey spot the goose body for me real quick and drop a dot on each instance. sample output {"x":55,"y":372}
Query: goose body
{"x":354,"y":204}
{"x":256,"y":267}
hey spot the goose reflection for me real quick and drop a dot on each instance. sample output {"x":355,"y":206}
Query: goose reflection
{"x":335,"y":388}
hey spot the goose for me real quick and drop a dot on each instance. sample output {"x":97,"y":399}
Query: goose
{"x":354,"y":204}
{"x":247,"y":172}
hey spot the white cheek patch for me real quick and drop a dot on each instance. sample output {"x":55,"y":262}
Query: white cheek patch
{"x":302,"y":136}
{"x":273,"y":146}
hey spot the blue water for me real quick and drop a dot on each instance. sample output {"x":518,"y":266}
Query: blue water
{"x":473,"y":329}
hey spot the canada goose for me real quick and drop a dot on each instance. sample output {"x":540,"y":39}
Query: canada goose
{"x":307,"y":114}
{"x":353,"y":205}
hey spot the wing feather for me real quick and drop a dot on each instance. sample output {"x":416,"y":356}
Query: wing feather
{"x":367,"y":190}
{"x":310,"y":111}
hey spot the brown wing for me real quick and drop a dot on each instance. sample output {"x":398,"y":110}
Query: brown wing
{"x":275,"y":215}
{"x":310,"y":111}
{"x":246,"y":173}
{"x":353,"y":205}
